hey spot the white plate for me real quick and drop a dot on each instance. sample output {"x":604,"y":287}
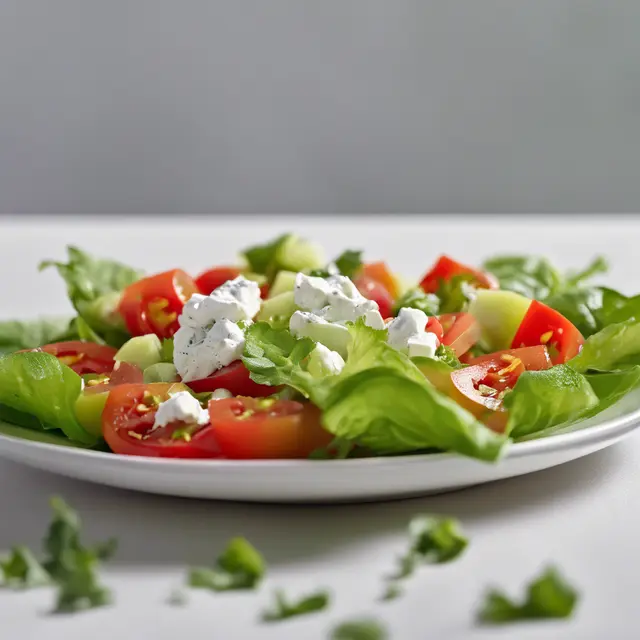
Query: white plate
{"x":328,"y":480}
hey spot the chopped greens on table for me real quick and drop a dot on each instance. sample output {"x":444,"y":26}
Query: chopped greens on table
{"x":288,"y":355}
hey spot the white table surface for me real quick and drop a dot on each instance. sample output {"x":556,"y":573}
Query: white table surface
{"x":582,"y":516}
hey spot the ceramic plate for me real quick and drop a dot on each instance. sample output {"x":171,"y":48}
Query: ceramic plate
{"x":321,"y":481}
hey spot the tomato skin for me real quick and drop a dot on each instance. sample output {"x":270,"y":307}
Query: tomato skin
{"x":121,"y":417}
{"x":235,"y":378}
{"x":461,"y":331}
{"x":211,"y":279}
{"x":82,"y":357}
{"x":152,"y":305}
{"x":374,"y":290}
{"x":434,"y":326}
{"x":285,"y":429}
{"x":446,"y":268}
{"x":534,"y":358}
{"x":380,"y":272}
{"x":544,"y":325}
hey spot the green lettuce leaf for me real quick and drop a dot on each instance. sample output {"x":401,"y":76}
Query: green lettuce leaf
{"x":39,"y":385}
{"x":22,"y":570}
{"x":530,"y":276}
{"x":380,"y":400}
{"x":94,"y":287}
{"x":543,"y":399}
{"x":454,"y":295}
{"x":16,"y":335}
{"x":549,"y":596}
{"x":360,"y":629}
{"x":610,"y":386}
{"x":418,"y":299}
{"x":349,"y":262}
{"x":263,"y":258}
{"x":283,"y":608}
{"x":240,"y":566}
{"x":616,"y":345}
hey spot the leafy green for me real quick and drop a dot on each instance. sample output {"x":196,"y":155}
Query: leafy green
{"x":349,"y":262}
{"x":418,"y":299}
{"x":22,"y":570}
{"x":433,"y":540}
{"x":283,"y":609}
{"x":263,"y":258}
{"x":85,"y":332}
{"x":530,"y":276}
{"x":94,"y":287}
{"x":455,"y":294}
{"x":275,"y":357}
{"x":167,"y":350}
{"x":364,"y":629}
{"x":72,"y":565}
{"x":240,"y":566}
{"x":582,"y":307}
{"x":447,"y":355}
{"x":610,"y":386}
{"x":356,"y":402}
{"x":16,"y":335}
{"x":615,"y":345}
{"x":597,"y":266}
{"x":549,"y":596}
{"x":542,"y":399}
{"x":38,"y":384}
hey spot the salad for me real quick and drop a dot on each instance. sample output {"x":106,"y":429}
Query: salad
{"x":288,"y":355}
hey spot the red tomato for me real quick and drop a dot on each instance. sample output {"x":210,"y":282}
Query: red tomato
{"x":446,"y":268}
{"x":544,"y":325}
{"x":374,"y":290}
{"x":216,"y":277}
{"x":82,"y":357}
{"x":533,"y":358}
{"x":152,"y":305}
{"x":122,"y":373}
{"x":246,"y":428}
{"x":434,"y":326}
{"x":461,"y":331}
{"x":235,"y":378}
{"x":380,"y":272}
{"x":127,"y":422}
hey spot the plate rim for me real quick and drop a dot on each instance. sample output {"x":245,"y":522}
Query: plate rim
{"x":618,"y":426}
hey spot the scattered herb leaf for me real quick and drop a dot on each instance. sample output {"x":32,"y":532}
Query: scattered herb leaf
{"x":364,"y":629}
{"x":282,"y":609}
{"x":22,"y":570}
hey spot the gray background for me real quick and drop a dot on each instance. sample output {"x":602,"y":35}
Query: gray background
{"x":139,"y":106}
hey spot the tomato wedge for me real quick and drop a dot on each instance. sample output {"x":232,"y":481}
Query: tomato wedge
{"x":82,"y":357}
{"x":376,"y":291}
{"x":213,"y":278}
{"x":127,"y":425}
{"x":533,"y":358}
{"x":152,"y":305}
{"x":246,"y":428}
{"x":446,"y":268}
{"x":234,"y":378}
{"x":380,"y":272}
{"x":434,"y":326}
{"x":544,"y":325}
{"x":461,"y":331}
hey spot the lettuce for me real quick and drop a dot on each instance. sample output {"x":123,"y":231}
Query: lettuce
{"x":94,"y":287}
{"x":40,"y":386}
{"x":380,"y":400}
{"x":543,"y":399}
{"x":610,"y":386}
{"x":15,"y":335}
{"x":530,"y":276}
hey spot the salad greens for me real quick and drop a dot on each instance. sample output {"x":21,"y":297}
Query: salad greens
{"x":362,"y":629}
{"x":16,"y":335}
{"x":240,"y":566}
{"x":22,"y":570}
{"x":548,"y":596}
{"x":42,"y":392}
{"x":283,"y":608}
{"x":94,"y":287}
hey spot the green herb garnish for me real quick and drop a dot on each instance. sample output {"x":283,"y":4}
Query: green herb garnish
{"x":282,"y":609}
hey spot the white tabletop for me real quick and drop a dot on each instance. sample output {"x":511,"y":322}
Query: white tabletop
{"x":581,"y":516}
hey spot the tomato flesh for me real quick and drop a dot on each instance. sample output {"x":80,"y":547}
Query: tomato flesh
{"x":380,"y":272}
{"x":127,"y":425}
{"x":544,"y":325}
{"x":213,"y":278}
{"x":376,"y":291}
{"x":153,"y":304}
{"x":82,"y":357}
{"x":247,"y":428}
{"x":235,"y":378}
{"x":446,"y":268}
{"x":461,"y":331}
{"x":534,"y":358}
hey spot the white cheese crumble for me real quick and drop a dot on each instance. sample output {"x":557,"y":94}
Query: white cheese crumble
{"x":407,"y":334}
{"x":180,"y":407}
{"x":325,"y":362}
{"x":209,"y":337}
